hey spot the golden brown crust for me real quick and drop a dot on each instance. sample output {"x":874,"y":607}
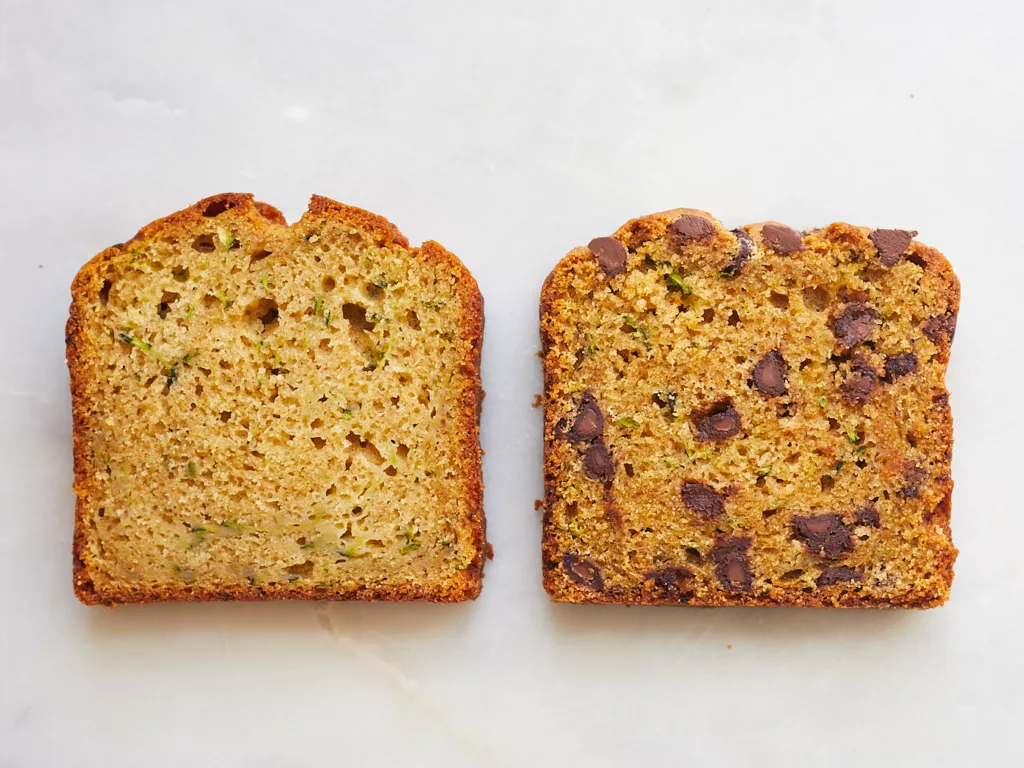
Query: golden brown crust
{"x":632,"y":235}
{"x":456,"y":594}
{"x":836,"y":600}
{"x":472,"y":398}
{"x":469,"y":582}
{"x":386,"y":232}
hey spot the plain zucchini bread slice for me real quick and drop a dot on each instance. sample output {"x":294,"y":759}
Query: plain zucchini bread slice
{"x":264,"y":411}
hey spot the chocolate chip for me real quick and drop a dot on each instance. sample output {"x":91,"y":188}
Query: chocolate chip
{"x":670,"y":579}
{"x":702,"y":499}
{"x":689,"y":227}
{"x":732,"y":568}
{"x":719,"y":422}
{"x":913,"y":480}
{"x":891,"y":244}
{"x":597,"y":463}
{"x":837,"y":574}
{"x":589,"y":422}
{"x":860,"y":381}
{"x":583,"y":571}
{"x":941,"y":328}
{"x":770,"y":374}
{"x":868,"y":516}
{"x":823,"y":535}
{"x":742,"y":254}
{"x":854,"y":324}
{"x":900,"y":365}
{"x":781,"y":238}
{"x":610,"y":253}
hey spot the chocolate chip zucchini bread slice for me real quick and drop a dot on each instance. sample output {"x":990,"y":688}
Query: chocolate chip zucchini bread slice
{"x":748,"y":417}
{"x":264,"y":411}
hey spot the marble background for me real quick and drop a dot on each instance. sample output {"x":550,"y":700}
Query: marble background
{"x":510,"y":133}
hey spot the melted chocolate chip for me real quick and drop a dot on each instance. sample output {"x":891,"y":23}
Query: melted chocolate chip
{"x":823,"y":535}
{"x":900,"y":365}
{"x":860,"y":381}
{"x":837,"y":574}
{"x":589,"y":423}
{"x":854,"y":324}
{"x":742,"y":254}
{"x":689,"y":227}
{"x":732,"y":569}
{"x":597,"y":463}
{"x":610,"y":253}
{"x":669,"y":579}
{"x":583,"y":571}
{"x":720,"y":422}
{"x":702,"y":499}
{"x":868,"y":516}
{"x":781,"y":238}
{"x":913,"y":480}
{"x":770,"y":374}
{"x":891,"y":244}
{"x":941,"y":328}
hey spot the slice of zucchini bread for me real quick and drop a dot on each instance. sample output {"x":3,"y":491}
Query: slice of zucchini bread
{"x":264,"y":411}
{"x":748,"y":417}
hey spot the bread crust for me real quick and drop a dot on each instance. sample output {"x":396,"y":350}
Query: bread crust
{"x":562,"y":589}
{"x":467,"y":584}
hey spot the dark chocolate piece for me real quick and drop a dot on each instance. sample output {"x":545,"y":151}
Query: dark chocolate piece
{"x":891,"y":244}
{"x":769,"y":375}
{"x":610,"y":253}
{"x":732,"y":569}
{"x":719,"y":422}
{"x":823,"y":535}
{"x":781,"y":238}
{"x":583,"y":571}
{"x":702,"y":499}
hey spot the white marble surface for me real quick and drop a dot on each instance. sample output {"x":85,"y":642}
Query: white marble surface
{"x":510,"y":133}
